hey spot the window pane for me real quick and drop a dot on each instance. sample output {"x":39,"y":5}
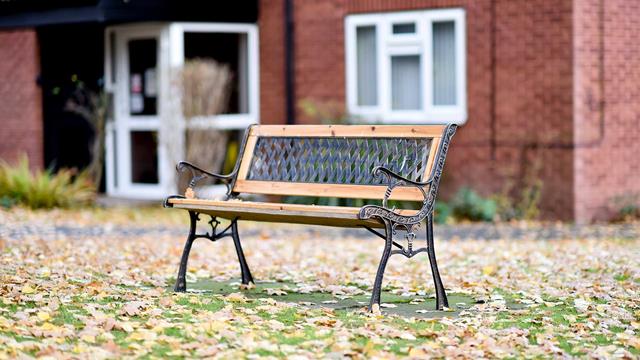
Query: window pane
{"x":404,"y":28}
{"x":406,"y":90}
{"x":444,"y":63}
{"x":206,"y":78}
{"x":367,"y":65}
{"x":144,"y":157}
{"x":143,"y":84}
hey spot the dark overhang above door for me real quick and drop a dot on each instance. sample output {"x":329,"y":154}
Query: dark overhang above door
{"x":31,"y":13}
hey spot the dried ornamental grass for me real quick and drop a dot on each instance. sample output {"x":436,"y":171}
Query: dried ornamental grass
{"x":43,"y":189}
{"x":206,"y":88}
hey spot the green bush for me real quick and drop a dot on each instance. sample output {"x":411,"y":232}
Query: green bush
{"x":628,"y":207}
{"x":442,"y":212}
{"x":43,"y":189}
{"x":468,"y":205}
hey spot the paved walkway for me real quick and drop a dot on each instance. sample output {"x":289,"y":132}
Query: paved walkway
{"x":445,"y":232}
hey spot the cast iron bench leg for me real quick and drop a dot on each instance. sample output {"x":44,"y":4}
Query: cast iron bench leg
{"x":181,"y":281}
{"x":377,"y":285}
{"x":244,"y":268}
{"x":441,"y":295}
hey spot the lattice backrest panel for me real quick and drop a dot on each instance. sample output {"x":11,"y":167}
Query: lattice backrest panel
{"x":335,"y":161}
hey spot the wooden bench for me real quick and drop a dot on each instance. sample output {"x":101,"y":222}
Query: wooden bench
{"x":383,"y":162}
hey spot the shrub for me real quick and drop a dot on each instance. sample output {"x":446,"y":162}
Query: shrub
{"x":42,"y":189}
{"x":628,"y":207}
{"x":442,"y":212}
{"x":519,"y":204}
{"x":469,"y":205}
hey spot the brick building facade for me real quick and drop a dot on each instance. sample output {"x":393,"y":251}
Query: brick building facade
{"x":21,"y":107}
{"x":551,"y":92}
{"x":536,"y":72}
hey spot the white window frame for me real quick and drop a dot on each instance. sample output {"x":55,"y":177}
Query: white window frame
{"x":224,"y":121}
{"x":419,"y":43}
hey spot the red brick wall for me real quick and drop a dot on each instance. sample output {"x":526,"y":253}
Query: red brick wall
{"x":534,"y":101}
{"x":533,"y":89}
{"x":606,"y":167}
{"x":20,"y":98}
{"x":272,"y":66}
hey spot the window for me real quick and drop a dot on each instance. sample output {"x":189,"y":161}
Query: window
{"x":234,"y":46}
{"x":229,"y":49}
{"x":407,"y":67}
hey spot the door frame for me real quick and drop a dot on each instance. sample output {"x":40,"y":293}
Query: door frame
{"x":118,"y":139}
{"x":170,"y":40}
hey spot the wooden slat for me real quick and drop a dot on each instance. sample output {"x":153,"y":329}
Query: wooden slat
{"x":247,"y":155}
{"x":276,"y":212}
{"x":435,"y":143}
{"x":326,"y":190}
{"x":402,"y":131}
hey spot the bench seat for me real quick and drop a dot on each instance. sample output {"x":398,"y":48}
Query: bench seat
{"x":279,"y":212}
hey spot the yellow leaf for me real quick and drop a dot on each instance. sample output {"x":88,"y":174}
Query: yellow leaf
{"x":43,"y":316}
{"x":126,"y":327}
{"x":369,"y":348}
{"x":88,"y":338}
{"x":236,"y":298}
{"x":488,"y":270}
{"x":417,"y":353}
{"x":214,"y":326}
{"x":142,"y":335}
{"x":27,"y":289}
{"x":48,"y":326}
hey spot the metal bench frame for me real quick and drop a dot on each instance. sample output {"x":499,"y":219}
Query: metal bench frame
{"x":383,"y":181}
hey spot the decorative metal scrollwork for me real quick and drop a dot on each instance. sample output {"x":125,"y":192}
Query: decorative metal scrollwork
{"x":198,"y":174}
{"x":412,"y":222}
{"x":214,"y":234}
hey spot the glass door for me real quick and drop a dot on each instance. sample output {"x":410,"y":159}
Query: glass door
{"x":134,"y":156}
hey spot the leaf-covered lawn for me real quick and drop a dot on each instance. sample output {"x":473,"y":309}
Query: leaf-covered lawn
{"x":111,"y":297}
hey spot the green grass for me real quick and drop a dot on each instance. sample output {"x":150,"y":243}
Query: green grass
{"x":212,"y":297}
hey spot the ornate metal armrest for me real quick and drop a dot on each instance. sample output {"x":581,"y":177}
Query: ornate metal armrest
{"x":383,"y":212}
{"x":198,"y":174}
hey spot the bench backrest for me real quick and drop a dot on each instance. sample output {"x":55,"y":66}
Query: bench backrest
{"x":336,"y":160}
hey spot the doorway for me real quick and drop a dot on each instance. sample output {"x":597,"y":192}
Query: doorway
{"x":141,"y":63}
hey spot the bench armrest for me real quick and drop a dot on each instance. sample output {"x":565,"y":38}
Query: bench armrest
{"x":390,"y":174}
{"x":383,"y":212}
{"x":198,"y":174}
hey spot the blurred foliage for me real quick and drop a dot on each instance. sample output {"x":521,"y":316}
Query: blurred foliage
{"x":469,"y":205}
{"x":43,"y":189}
{"x":231,"y":157}
{"x":442,"y":212}
{"x":93,"y":107}
{"x":627,"y":207}
{"x":520,"y":200}
{"x":326,"y":112}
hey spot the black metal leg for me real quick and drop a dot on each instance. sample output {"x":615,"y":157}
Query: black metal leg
{"x":441,"y":295}
{"x":244,"y":268}
{"x":181,"y":281}
{"x":377,"y":285}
